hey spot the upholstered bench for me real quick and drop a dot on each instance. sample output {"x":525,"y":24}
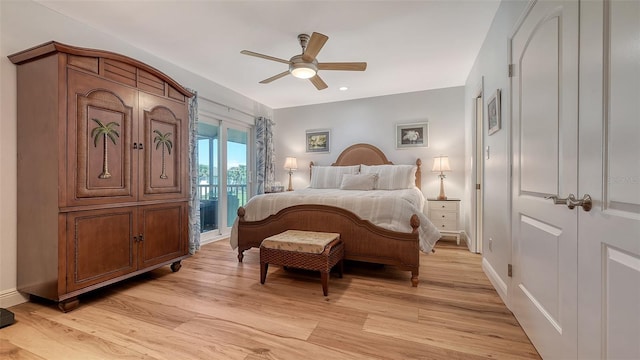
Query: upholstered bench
{"x":310,"y":250}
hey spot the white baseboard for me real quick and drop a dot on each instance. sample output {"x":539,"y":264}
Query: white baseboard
{"x":12,"y":297}
{"x":496,"y":281}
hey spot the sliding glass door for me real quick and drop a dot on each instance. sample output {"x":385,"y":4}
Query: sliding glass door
{"x":237,"y":173}
{"x":208,"y":175}
{"x":223,"y":174}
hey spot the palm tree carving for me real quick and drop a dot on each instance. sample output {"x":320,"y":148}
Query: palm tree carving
{"x":163,"y":140}
{"x":104,"y":131}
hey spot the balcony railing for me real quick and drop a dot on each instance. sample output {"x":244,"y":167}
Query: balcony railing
{"x":209,"y":204}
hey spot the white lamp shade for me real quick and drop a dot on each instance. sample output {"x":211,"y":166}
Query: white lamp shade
{"x":440,"y":164}
{"x":291,"y":163}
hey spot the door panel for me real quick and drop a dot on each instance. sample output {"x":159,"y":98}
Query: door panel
{"x":99,"y":161}
{"x":164,"y":134}
{"x":623,"y":125}
{"x":544,"y":138}
{"x":165,"y":233}
{"x":538,"y":64}
{"x":540,"y":267}
{"x":609,"y":251}
{"x":100,"y":245}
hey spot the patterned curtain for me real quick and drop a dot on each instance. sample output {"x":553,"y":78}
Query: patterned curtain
{"x":194,"y":201}
{"x":265,"y":153}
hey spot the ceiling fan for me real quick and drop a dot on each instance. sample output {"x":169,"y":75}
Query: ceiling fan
{"x":305,"y":65}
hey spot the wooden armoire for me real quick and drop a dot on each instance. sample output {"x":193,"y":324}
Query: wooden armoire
{"x":102,"y":170}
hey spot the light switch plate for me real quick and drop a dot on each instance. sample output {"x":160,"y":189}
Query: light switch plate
{"x":486,"y":152}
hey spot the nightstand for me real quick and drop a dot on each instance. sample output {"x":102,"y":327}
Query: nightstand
{"x":444,"y":215}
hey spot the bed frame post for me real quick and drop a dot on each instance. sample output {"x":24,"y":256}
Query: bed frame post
{"x":419,"y":174}
{"x":241,"y":212}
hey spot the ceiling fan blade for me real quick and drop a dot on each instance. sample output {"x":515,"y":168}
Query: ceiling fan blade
{"x":316,"y":42}
{"x":275,"y":77}
{"x":318,"y":82}
{"x":349,"y":66}
{"x":251,"y":53}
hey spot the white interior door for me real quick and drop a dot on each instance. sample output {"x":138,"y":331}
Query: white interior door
{"x":609,"y":245}
{"x":544,"y":51}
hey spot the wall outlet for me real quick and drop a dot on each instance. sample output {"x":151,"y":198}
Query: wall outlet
{"x":490,"y":244}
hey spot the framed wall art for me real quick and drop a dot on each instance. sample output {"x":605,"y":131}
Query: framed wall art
{"x":318,"y":141}
{"x":412,"y":135}
{"x":493,"y":112}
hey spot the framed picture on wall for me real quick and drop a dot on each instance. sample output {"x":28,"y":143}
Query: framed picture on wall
{"x":493,"y":112}
{"x":412,"y":135}
{"x":318,"y":141}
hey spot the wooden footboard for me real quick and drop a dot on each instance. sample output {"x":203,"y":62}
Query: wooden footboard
{"x":363,"y":241}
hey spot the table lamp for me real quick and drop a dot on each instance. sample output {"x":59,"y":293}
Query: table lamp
{"x":290,"y":164}
{"x":441,"y":164}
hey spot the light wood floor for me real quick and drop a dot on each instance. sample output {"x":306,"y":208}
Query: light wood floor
{"x":215,"y":308}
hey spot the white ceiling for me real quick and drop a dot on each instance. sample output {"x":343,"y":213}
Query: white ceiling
{"x":408,"y":45}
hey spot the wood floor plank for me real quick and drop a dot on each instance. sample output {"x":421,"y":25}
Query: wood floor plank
{"x":9,"y":351}
{"x":216,"y":308}
{"x":51,"y":340}
{"x":144,"y":337}
{"x":459,"y":340}
{"x":376,"y":346}
{"x":261,"y":344}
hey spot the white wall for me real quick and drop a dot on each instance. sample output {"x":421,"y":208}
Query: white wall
{"x":24,"y":24}
{"x":492,"y":64}
{"x":373,"y":121}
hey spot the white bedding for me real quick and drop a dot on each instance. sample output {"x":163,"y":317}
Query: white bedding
{"x":389,"y":209}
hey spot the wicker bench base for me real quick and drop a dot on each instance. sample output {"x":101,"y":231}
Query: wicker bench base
{"x":332,"y":255}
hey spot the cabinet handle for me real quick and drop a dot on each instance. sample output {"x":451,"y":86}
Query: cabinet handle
{"x":443,"y":206}
{"x":141,"y":237}
{"x":140,"y":146}
{"x":442,"y":215}
{"x":135,"y":239}
{"x":135,"y":146}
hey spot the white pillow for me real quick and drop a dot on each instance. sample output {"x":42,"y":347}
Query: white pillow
{"x":330,"y":177}
{"x":358,"y":181}
{"x":392,"y":177}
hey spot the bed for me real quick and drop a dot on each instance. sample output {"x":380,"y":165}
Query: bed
{"x":390,"y":227}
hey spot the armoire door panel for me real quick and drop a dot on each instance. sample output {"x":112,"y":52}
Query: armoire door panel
{"x":100,"y":246}
{"x":100,"y":164}
{"x":163,"y":131}
{"x":163,"y":135}
{"x":165,"y":231}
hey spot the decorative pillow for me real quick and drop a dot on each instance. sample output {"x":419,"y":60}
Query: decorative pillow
{"x":358,"y":181}
{"x":392,"y":177}
{"x":330,"y":177}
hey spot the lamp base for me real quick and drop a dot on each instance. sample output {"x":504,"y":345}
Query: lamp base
{"x":290,"y":188}
{"x":442,"y":196}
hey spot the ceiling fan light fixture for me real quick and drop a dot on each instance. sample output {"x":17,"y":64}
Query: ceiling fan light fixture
{"x":303,"y":70}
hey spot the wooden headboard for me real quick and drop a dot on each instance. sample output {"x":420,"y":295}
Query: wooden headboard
{"x":368,"y":155}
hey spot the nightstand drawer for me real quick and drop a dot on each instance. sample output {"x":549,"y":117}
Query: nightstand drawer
{"x":449,"y":225}
{"x":444,"y":215}
{"x":443,"y":205}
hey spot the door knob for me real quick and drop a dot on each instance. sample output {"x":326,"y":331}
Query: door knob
{"x":561,"y":201}
{"x":585,"y":202}
{"x":572,"y":202}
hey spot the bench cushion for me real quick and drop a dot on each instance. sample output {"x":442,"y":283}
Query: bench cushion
{"x":301,"y":241}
